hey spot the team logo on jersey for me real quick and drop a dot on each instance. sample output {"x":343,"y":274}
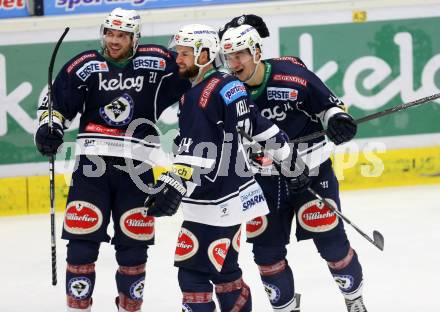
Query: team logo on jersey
{"x":233,"y":91}
{"x":186,"y":308}
{"x":149,"y":62}
{"x":79,"y":287}
{"x":256,"y":226}
{"x":314,"y":216}
{"x":236,"y":240}
{"x":273,"y":292}
{"x":187,"y":245}
{"x":137,"y":225}
{"x":121,"y":84}
{"x":119,"y":112}
{"x":82,"y":217}
{"x":290,"y":78}
{"x":137,"y":289}
{"x":217,"y":252}
{"x":345,"y":282}
{"x":282,"y":94}
{"x":91,"y":67}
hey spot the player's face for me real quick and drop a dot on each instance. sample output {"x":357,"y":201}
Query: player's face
{"x":118,"y":44}
{"x":185,"y":61}
{"x":241,"y":63}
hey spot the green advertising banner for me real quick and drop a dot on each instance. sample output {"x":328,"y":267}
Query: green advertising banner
{"x":23,"y":80}
{"x":373,"y":66}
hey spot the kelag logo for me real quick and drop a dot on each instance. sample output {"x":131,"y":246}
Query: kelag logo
{"x":376,"y":65}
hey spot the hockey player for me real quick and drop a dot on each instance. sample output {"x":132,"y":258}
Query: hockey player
{"x":123,"y":84}
{"x":210,"y":177}
{"x":298,"y":102}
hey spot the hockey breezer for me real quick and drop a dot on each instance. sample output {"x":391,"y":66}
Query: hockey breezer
{"x":52,"y":160}
{"x":388,"y":111}
{"x":377,"y":240}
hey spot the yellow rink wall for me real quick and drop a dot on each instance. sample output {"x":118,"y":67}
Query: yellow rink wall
{"x":30,"y":195}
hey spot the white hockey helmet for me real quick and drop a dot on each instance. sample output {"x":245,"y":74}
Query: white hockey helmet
{"x":124,"y":20}
{"x":241,"y":38}
{"x":198,"y":37}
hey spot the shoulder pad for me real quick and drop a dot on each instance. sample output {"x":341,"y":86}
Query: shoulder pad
{"x":153,"y":49}
{"x":292,"y":59}
{"x":82,"y":58}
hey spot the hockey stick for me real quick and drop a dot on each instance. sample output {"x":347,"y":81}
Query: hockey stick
{"x":52,"y":161}
{"x":377,"y":240}
{"x":388,"y":111}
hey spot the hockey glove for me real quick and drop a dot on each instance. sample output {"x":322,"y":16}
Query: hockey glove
{"x":341,"y":128}
{"x":248,"y":19}
{"x":166,"y":201}
{"x":47,"y":143}
{"x":297,"y":178}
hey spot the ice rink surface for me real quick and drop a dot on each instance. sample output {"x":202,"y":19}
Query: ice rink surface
{"x":404,"y":278}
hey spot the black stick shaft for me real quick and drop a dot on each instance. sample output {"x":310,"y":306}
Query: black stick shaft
{"x":388,"y":111}
{"x":52,"y":162}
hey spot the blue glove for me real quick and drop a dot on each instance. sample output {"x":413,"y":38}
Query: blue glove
{"x":166,"y":201}
{"x":47,"y":143}
{"x":341,"y":128}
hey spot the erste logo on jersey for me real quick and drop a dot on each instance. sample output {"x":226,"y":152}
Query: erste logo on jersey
{"x":314,"y":216}
{"x":149,"y":62}
{"x":282,"y":94}
{"x":256,"y":226}
{"x":137,"y":225}
{"x":91,"y":67}
{"x":119,"y":112}
{"x":217,"y":252}
{"x":187,"y":245}
{"x":233,"y":91}
{"x":82,"y":217}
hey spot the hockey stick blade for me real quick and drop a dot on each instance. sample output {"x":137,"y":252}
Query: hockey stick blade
{"x":52,"y":162}
{"x":379,"y":241}
{"x":388,"y":111}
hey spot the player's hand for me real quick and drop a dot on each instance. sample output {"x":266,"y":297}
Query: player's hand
{"x":341,"y":128}
{"x":166,"y":201}
{"x":247,"y":19}
{"x":48,"y":142}
{"x":297,"y":175}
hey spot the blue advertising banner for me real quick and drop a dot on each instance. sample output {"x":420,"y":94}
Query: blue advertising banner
{"x":59,"y":7}
{"x":13,"y":8}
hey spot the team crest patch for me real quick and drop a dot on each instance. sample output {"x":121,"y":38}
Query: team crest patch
{"x":82,"y":217}
{"x":79,"y":287}
{"x":256,"y":226}
{"x":137,"y":289}
{"x":314,"y":216}
{"x":272,"y":292}
{"x":217,"y":252}
{"x":345,"y":282}
{"x":236,"y":240}
{"x":91,"y":67}
{"x":187,"y":245}
{"x":119,"y":112}
{"x":137,"y":225}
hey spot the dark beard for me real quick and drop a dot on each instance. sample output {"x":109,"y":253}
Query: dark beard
{"x":192,"y":72}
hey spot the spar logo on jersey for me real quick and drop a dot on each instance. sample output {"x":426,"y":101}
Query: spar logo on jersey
{"x":149,"y":62}
{"x":256,"y":226}
{"x":252,"y":198}
{"x":82,"y":217}
{"x":187,"y":245}
{"x":273,"y":292}
{"x":217,"y":252}
{"x":236,"y":240}
{"x":137,"y":225}
{"x":91,"y":67}
{"x":119,"y":112}
{"x":282,"y":94}
{"x":314,"y":216}
{"x":233,"y":91}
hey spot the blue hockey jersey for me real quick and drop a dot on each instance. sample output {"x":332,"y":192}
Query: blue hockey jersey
{"x":119,"y":103}
{"x":296,"y":100}
{"x":210,"y":154}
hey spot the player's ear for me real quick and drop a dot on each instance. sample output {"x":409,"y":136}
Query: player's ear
{"x":204,"y":56}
